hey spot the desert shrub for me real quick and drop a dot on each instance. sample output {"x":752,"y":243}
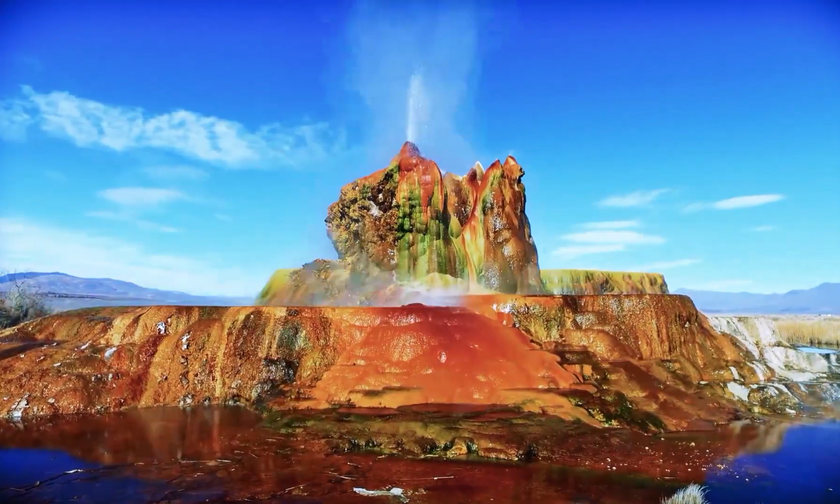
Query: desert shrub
{"x":692,"y":494}
{"x":20,"y":304}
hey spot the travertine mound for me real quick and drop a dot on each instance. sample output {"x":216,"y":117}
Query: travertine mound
{"x":411,"y":219}
{"x":632,"y":361}
{"x":582,"y":282}
{"x":408,"y":224}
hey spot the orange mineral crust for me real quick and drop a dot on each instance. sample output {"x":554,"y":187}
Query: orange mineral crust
{"x":422,"y":355}
{"x":633,"y":361}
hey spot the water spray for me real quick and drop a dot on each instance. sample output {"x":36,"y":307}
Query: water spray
{"x":417,"y":105}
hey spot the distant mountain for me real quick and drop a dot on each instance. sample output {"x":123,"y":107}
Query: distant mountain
{"x":824,"y":298}
{"x":66,"y":292}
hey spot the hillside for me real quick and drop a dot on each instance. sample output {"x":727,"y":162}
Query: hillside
{"x":824,"y":298}
{"x":67,"y":292}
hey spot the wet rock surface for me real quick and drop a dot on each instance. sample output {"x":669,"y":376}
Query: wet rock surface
{"x":587,"y":282}
{"x":409,"y":227}
{"x":232,"y":455}
{"x":649,"y":363}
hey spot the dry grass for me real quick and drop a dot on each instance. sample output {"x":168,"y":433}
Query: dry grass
{"x":810,"y":331}
{"x":692,"y":494}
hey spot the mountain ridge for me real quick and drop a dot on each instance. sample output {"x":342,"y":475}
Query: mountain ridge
{"x":821,"y":299}
{"x":62,"y":291}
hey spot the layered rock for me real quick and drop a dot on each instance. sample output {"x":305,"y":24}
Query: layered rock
{"x":630,"y":361}
{"x":407,"y":222}
{"x":335,"y":285}
{"x":786,"y":374}
{"x":410,"y":225}
{"x":581,"y":282}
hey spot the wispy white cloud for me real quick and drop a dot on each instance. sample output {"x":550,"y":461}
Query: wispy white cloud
{"x":736,"y":202}
{"x":574,"y":251}
{"x":633,"y":199}
{"x":141,"y":196}
{"x":222,"y":217}
{"x":762,"y":229}
{"x":747,"y":201}
{"x":133,"y":202}
{"x":89,"y":123}
{"x":14,"y":120}
{"x":613,"y":236}
{"x":611,"y":224}
{"x":603,"y":237}
{"x":30,"y":246}
{"x":127,"y":217}
{"x":665,"y":265}
{"x":175,"y":172}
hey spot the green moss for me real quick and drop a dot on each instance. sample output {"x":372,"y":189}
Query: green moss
{"x":292,"y":339}
{"x":571,"y":281}
{"x":274,"y":284}
{"x":208,"y":312}
{"x":620,"y":411}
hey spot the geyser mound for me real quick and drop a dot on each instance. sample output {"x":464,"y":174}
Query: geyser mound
{"x":409,"y":228}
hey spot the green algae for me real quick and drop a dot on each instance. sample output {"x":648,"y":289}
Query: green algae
{"x":573,"y":281}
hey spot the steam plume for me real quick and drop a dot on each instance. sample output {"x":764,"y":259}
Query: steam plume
{"x":413,"y":65}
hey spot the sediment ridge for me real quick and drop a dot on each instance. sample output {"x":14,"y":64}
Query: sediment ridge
{"x":646,"y":362}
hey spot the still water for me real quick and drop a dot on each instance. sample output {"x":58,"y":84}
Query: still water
{"x":227,"y":455}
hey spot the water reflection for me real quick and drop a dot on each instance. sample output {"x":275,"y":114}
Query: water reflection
{"x":804,"y":468}
{"x":225,"y":453}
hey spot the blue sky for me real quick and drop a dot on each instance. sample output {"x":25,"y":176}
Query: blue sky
{"x":197,"y":149}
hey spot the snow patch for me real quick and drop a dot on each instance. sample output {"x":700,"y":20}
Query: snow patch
{"x":110,"y":352}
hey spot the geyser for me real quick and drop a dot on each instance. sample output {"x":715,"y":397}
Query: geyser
{"x":417,"y":105}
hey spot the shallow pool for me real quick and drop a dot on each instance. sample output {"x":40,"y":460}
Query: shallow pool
{"x":228,"y":455}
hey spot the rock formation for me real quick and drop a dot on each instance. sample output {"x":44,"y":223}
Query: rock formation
{"x":411,"y":219}
{"x":584,"y":282}
{"x":648,"y":362}
{"x":410,"y":224}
